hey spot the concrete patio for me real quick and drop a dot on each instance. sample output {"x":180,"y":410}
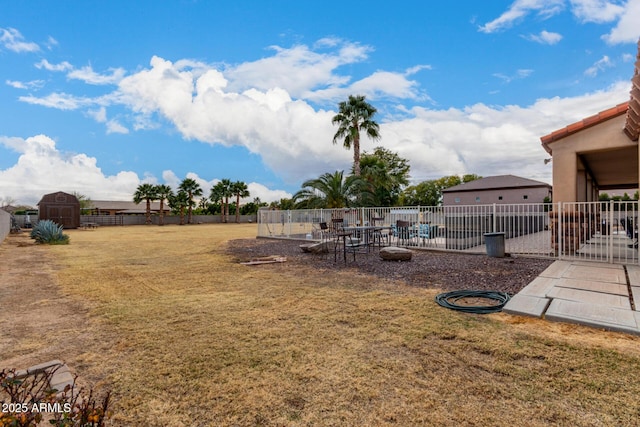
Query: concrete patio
{"x":595,"y":294}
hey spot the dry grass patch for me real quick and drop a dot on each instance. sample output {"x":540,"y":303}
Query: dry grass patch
{"x":193,"y":339}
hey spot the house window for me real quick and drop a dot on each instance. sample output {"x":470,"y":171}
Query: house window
{"x":499,"y":197}
{"x":525,"y":197}
{"x":457,"y":200}
{"x":477,"y":199}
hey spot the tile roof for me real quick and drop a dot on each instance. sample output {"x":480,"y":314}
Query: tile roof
{"x":585,"y":123}
{"x":632,"y":126}
{"x":494,"y":182}
{"x":631,"y":108}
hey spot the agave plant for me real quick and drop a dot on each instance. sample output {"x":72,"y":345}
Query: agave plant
{"x":47,"y":231}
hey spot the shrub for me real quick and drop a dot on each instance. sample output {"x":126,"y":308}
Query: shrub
{"x":27,"y":399}
{"x":47,"y":231}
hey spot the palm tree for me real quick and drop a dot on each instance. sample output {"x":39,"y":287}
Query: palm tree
{"x":164,"y":192}
{"x":332,"y":190}
{"x":145,"y":192}
{"x":179,"y":202}
{"x":353,"y":116}
{"x":239,"y":189}
{"x":216,"y":197}
{"x":225,"y":189}
{"x":192,"y":188}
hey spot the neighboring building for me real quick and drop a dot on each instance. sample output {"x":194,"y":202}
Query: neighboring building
{"x":107,"y":207}
{"x":501,"y":189}
{"x":61,"y":208}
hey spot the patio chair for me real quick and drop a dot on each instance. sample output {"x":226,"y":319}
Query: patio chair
{"x":424,"y":232}
{"x":404,"y":232}
{"x":380,"y":235}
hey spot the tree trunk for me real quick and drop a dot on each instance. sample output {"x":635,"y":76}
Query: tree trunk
{"x":238,"y":208}
{"x":356,"y":154}
{"x":148,"y":219}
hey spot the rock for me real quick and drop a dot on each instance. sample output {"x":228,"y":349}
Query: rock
{"x":392,"y":253}
{"x":315,"y":248}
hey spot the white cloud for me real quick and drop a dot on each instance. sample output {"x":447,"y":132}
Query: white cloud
{"x":11,"y":39}
{"x":33,"y":84}
{"x":520,"y":9}
{"x":265,"y":194}
{"x":545,"y":37}
{"x":627,"y":29}
{"x":51,"y":43}
{"x":60,"y":101}
{"x":601,"y":65}
{"x":87,"y":75}
{"x":113,"y":126}
{"x":296,"y":70}
{"x":99,"y":115}
{"x":42,"y":169}
{"x":63,"y":66}
{"x":520,"y":74}
{"x":598,"y":11}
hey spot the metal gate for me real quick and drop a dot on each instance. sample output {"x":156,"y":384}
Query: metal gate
{"x":596,"y":231}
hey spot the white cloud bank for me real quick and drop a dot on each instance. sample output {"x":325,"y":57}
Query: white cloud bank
{"x":41,"y":169}
{"x":292,"y":135}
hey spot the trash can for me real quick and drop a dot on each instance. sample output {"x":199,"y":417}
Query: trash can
{"x":495,"y":244}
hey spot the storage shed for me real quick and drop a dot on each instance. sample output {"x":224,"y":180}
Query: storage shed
{"x":61,"y":208}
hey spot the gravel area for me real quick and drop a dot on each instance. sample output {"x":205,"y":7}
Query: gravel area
{"x":429,"y":269}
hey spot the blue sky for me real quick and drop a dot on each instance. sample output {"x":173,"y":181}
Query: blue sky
{"x":98,"y":97}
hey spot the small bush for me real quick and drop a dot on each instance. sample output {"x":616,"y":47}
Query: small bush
{"x":49,"y":232}
{"x":26,"y":400}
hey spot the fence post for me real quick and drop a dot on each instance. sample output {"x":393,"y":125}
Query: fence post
{"x":495,"y":219}
{"x":610,"y":225}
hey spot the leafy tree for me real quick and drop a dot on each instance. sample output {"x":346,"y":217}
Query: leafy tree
{"x":429,"y":193}
{"x":426,"y":193}
{"x":148,"y":193}
{"x":283,"y":204}
{"x":240,"y":190}
{"x":85,"y":202}
{"x":387,"y":173}
{"x":178,"y":203}
{"x":252,"y":208}
{"x":332,"y":190}
{"x":163,"y":192}
{"x":192,"y":188}
{"x":355,"y":115}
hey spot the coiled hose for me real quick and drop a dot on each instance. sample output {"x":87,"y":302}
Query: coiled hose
{"x":449,"y":300}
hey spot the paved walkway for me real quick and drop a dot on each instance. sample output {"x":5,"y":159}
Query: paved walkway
{"x":594,"y":294}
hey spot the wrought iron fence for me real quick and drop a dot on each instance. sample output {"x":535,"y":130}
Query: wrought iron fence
{"x":597,"y":231}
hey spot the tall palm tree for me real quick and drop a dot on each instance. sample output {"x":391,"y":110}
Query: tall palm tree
{"x":239,"y":189}
{"x":225,"y":188}
{"x":192,"y":188}
{"x":145,"y":192}
{"x":164,"y":192}
{"x":332,"y":190}
{"x":355,"y":115}
{"x":179,"y":202}
{"x":216,"y":197}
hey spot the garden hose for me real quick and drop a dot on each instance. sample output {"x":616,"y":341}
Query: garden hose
{"x":449,"y":300}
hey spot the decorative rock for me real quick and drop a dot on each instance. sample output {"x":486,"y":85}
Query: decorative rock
{"x":315,"y":248}
{"x":392,"y":253}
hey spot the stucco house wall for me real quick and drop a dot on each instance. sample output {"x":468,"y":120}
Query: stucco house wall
{"x":502,"y":189}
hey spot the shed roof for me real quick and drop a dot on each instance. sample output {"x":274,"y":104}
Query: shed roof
{"x":495,"y":182}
